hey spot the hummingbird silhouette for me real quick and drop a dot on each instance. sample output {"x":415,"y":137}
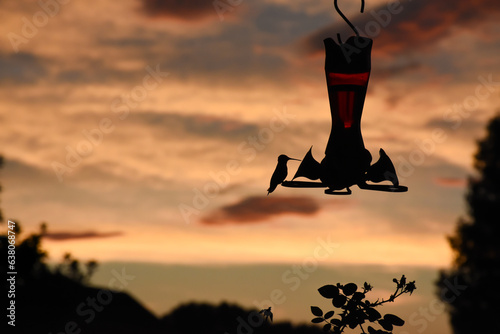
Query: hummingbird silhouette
{"x":280,"y":172}
{"x":267,"y":313}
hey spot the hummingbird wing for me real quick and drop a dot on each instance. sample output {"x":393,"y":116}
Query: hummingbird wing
{"x":278,"y":177}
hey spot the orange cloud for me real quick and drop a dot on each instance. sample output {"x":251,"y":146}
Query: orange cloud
{"x":256,"y":209}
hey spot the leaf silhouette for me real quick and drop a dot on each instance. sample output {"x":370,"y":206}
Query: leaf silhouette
{"x":358,"y":296}
{"x":316,"y":311}
{"x":317,"y":320}
{"x":349,"y":289}
{"x":394,"y":319}
{"x":329,"y":314}
{"x":373,"y":314}
{"x":385,"y":324}
{"x":336,"y":322}
{"x":329,"y":291}
{"x":327,"y":327}
{"x":339,"y":301}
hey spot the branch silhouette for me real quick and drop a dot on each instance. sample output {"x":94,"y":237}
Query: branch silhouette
{"x":356,"y":310}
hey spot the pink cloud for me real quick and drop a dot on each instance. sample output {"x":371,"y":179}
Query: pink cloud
{"x":62,"y":236}
{"x":256,"y":209}
{"x":454,"y":182}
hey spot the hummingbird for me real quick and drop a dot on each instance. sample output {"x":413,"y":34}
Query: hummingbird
{"x":280,"y":172}
{"x":267,"y":313}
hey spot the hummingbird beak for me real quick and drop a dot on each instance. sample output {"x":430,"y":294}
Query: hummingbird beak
{"x":294,"y":159}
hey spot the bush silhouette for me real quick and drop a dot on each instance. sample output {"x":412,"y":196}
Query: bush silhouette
{"x":353,"y":309}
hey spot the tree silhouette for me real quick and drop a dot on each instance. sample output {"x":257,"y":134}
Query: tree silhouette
{"x":469,"y":287}
{"x":1,"y":165}
{"x":31,"y":260}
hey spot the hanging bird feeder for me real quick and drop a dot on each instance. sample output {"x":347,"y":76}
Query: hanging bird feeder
{"x":347,"y":162}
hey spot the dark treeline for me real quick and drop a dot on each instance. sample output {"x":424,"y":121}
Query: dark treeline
{"x":58,"y":299}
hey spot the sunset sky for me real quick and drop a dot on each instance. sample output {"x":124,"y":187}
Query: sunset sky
{"x":146,"y":131}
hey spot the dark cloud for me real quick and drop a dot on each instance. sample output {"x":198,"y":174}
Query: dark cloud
{"x":415,"y":25}
{"x":453,"y":182}
{"x":96,"y":70}
{"x":256,"y":209}
{"x":170,"y":124}
{"x":21,"y":68}
{"x":468,"y":126}
{"x":381,"y":72}
{"x":198,"y":125}
{"x":134,"y":42}
{"x":232,"y":57}
{"x":178,"y":9}
{"x":62,"y":236}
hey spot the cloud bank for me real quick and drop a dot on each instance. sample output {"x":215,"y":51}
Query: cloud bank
{"x":407,"y":25}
